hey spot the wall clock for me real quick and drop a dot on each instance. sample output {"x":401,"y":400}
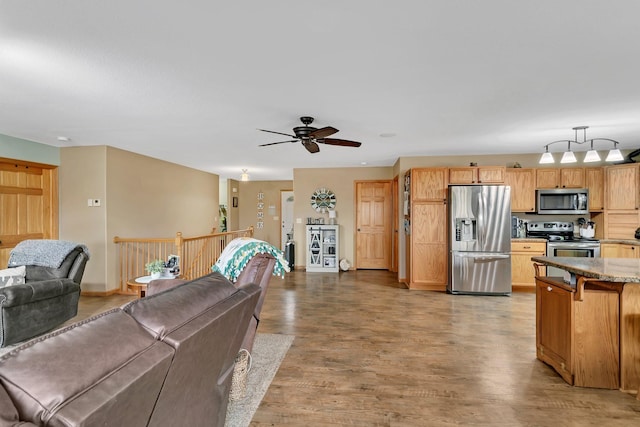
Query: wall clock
{"x":323,"y":199}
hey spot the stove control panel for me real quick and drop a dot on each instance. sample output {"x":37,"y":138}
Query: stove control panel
{"x":544,"y":227}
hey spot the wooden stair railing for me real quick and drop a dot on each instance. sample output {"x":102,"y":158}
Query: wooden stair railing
{"x":197,"y":254}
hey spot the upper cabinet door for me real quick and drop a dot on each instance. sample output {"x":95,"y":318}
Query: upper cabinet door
{"x":621,"y":187}
{"x":572,"y":177}
{"x":491,"y":174}
{"x":547,"y":178}
{"x":463,"y":175}
{"x":429,"y":184}
{"x":523,"y":189}
{"x":594,"y":181}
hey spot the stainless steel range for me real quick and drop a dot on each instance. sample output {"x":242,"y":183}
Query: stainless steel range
{"x":561,"y":241}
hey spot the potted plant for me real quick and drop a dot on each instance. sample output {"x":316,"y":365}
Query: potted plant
{"x":155,"y":268}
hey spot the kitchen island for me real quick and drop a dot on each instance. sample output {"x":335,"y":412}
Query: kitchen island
{"x":588,"y":325}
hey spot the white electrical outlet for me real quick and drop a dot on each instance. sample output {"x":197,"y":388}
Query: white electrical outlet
{"x":89,"y":202}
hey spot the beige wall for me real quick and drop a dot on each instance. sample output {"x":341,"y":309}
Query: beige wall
{"x":248,"y":208}
{"x":141,"y":197}
{"x":341,"y":182}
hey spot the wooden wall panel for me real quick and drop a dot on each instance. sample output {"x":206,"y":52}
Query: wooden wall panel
{"x":28,"y":204}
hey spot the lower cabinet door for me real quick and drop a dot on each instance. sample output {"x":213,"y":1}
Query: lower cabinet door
{"x":553,"y":328}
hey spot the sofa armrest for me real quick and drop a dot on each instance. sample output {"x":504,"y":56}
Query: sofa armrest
{"x":36,"y":291}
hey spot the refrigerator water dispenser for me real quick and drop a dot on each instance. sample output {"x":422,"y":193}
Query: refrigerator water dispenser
{"x":465,"y":229}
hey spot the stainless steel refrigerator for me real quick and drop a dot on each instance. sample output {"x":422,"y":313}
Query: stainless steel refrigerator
{"x":479,"y":239}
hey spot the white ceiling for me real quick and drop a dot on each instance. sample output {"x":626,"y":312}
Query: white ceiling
{"x":190,"y":82}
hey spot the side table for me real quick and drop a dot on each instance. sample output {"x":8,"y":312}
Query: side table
{"x":139,"y":284}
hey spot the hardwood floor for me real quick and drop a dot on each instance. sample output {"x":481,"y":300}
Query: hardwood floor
{"x":370,"y":353}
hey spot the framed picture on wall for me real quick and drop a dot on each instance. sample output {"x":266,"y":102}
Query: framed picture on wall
{"x":235,"y":202}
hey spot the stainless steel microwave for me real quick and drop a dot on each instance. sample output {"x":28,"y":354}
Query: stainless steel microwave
{"x":573,"y":201}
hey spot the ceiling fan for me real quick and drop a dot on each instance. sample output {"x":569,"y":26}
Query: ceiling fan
{"x":310,"y":137}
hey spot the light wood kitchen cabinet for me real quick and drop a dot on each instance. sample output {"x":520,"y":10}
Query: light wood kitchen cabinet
{"x":523,"y":188}
{"x":577,"y":333}
{"x":429,"y":184}
{"x":427,"y":256}
{"x":594,"y":181}
{"x":619,"y":250}
{"x":477,"y":175}
{"x":621,"y":201}
{"x":621,"y":184}
{"x":560,"y":178}
{"x":522,"y":272}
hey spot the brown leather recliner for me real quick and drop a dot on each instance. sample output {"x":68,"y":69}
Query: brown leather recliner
{"x":258,"y":270}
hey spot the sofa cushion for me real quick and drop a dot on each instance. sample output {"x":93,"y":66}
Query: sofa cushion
{"x":12,"y":276}
{"x":105,"y":370}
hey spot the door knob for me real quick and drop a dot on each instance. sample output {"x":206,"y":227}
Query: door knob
{"x":549,"y":288}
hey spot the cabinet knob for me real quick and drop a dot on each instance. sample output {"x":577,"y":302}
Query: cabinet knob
{"x":527,"y":247}
{"x":549,"y":288}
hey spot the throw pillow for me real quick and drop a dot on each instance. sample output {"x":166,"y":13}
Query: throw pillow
{"x":12,"y":276}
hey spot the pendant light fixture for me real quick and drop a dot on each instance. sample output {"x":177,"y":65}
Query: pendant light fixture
{"x":591,"y":156}
{"x":244,"y":176}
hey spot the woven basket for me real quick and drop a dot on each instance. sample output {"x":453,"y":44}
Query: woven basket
{"x":240,"y":372}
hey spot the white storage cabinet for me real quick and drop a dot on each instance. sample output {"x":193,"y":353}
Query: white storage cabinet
{"x":322,"y":248}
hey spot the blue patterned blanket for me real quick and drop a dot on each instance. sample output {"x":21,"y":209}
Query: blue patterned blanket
{"x":42,"y":252}
{"x":239,"y":252}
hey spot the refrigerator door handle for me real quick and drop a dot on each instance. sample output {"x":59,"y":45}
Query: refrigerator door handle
{"x":482,"y":232}
{"x":484,"y":258}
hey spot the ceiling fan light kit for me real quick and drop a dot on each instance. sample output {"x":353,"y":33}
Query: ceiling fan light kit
{"x":310,"y":136}
{"x":592,"y":155}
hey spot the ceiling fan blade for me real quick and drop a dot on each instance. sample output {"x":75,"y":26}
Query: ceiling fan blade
{"x":311,"y":146}
{"x":279,"y":133}
{"x":274,"y":143}
{"x":323,"y":132}
{"x":341,"y":142}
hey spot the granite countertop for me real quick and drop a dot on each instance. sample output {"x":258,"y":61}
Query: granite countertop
{"x":621,"y":241}
{"x":622,"y":270}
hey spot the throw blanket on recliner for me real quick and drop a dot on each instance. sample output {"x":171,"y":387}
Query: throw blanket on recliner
{"x":43,"y":252}
{"x":239,"y":252}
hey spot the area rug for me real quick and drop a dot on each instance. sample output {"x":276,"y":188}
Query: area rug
{"x":268,"y":352}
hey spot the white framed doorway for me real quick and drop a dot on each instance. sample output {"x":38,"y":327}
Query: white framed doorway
{"x":286,"y":215}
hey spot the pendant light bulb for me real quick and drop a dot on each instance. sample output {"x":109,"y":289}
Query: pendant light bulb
{"x":568,"y":156}
{"x":614,"y":156}
{"x":547,"y":157}
{"x":592,"y":155}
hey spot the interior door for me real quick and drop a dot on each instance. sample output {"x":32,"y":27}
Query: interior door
{"x":373,"y":224}
{"x":28,"y":204}
{"x":286,"y":213}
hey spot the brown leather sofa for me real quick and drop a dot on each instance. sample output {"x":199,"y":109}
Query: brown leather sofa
{"x":164,"y":360}
{"x":258,"y":270}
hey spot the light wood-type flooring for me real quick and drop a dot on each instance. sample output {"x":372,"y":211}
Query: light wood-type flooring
{"x":368,"y":352}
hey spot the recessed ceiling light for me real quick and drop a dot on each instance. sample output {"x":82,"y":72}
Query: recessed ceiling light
{"x":363,"y":163}
{"x":64,"y":139}
{"x":387,"y":135}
